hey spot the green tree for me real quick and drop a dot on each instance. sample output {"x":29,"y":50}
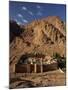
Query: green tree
{"x":61,"y":60}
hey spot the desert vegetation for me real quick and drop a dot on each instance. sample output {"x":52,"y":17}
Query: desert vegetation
{"x":61,"y":61}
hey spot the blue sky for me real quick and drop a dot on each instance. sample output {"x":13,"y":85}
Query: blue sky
{"x":25,"y":12}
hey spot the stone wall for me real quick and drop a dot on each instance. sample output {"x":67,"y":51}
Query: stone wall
{"x":29,"y":68}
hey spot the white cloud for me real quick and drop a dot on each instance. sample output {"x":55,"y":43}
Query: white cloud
{"x":39,"y":13}
{"x":24,"y":20}
{"x":19,"y":15}
{"x":38,"y":6}
{"x":31,"y":13}
{"x":24,"y":8}
{"x":17,"y":21}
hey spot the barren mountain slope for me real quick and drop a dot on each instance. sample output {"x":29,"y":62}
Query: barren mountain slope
{"x":40,"y":36}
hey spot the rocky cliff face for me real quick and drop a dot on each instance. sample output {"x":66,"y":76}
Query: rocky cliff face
{"x":46,"y":36}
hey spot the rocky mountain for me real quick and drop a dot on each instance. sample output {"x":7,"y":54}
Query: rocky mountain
{"x":15,"y":30}
{"x":46,"y":36}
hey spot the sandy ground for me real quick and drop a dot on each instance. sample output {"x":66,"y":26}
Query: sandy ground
{"x":51,"y":78}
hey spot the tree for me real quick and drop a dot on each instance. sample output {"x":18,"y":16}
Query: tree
{"x":61,"y":60}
